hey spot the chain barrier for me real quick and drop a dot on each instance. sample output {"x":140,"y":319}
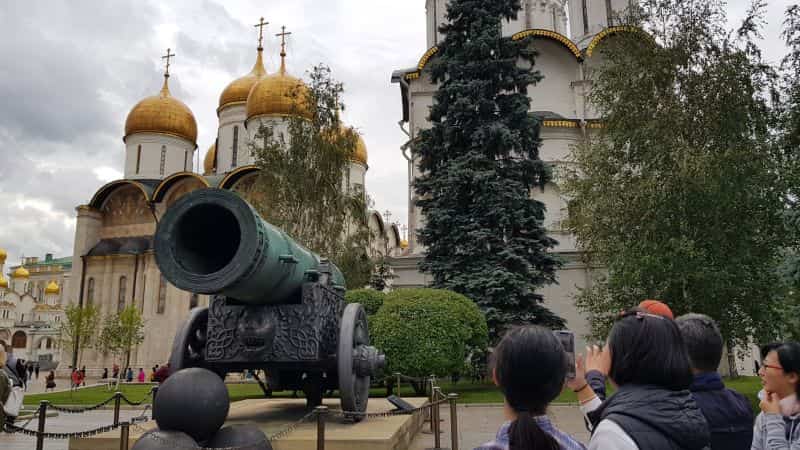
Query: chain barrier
{"x":68,"y":410}
{"x":9,"y":428}
{"x":291,"y":427}
{"x":132,"y":403}
{"x":366,"y":415}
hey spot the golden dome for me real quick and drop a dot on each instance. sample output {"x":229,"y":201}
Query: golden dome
{"x":3,"y":256}
{"x":210,"y":162}
{"x":279,"y":94}
{"x":164,"y":114}
{"x":238,"y":90}
{"x":3,"y":282}
{"x":52,"y":288}
{"x":21,"y":272}
{"x":361,"y":151}
{"x":404,"y":244}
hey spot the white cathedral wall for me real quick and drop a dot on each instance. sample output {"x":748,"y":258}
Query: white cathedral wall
{"x":560,"y":68}
{"x":230,"y":118}
{"x":178,"y":155}
{"x":279,"y":124}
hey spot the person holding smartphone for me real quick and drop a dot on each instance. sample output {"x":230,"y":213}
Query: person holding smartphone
{"x":530,"y":368}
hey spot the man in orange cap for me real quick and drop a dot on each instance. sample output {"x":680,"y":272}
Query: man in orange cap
{"x":657,"y":307}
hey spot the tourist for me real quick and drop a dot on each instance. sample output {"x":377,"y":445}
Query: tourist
{"x":529,"y":368}
{"x":22,"y":373}
{"x":140,"y":375}
{"x":50,"y":381}
{"x":778,"y":424}
{"x":105,"y":374}
{"x":162,"y":373}
{"x":75,"y":378}
{"x":36,"y":370}
{"x":729,"y":416}
{"x":652,"y":408}
{"x":129,"y":375}
{"x":153,"y":373}
{"x":115,"y":372}
{"x":83,"y":375}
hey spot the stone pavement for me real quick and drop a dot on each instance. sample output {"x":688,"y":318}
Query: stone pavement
{"x":63,"y":423}
{"x":479,"y":423}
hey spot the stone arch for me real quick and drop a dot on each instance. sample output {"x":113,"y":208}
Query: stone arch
{"x":126,"y":212}
{"x":104,"y":192}
{"x":178,"y":185}
{"x":610,"y":31}
{"x":19,"y":340}
{"x":234,"y":177}
{"x":554,"y":94}
{"x":563,"y":41}
{"x":45,"y":343}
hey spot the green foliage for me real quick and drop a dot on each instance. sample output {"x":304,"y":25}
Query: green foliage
{"x":479,"y":164}
{"x":428,"y":331}
{"x":79,"y":327}
{"x":370,"y":299}
{"x":121,"y":332}
{"x":305,"y":165}
{"x":678,"y":195}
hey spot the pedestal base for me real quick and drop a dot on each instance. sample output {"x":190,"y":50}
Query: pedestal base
{"x":274,"y":415}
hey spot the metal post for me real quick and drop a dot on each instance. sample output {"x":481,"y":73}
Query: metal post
{"x":117,"y":399}
{"x":153,"y":403}
{"x":124,"y":436}
{"x":437,"y":438}
{"x":453,"y":421}
{"x":321,"y":411}
{"x":397,"y":374}
{"x":432,"y":399}
{"x":42,"y":417}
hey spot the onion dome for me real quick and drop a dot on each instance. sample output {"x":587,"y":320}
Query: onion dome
{"x":238,"y":90}
{"x":360,"y":154}
{"x":163,"y":114}
{"x":52,"y":288}
{"x":21,"y":272}
{"x":3,"y":256}
{"x":3,"y":282}
{"x":404,"y":244}
{"x":210,"y":162}
{"x":279,"y":94}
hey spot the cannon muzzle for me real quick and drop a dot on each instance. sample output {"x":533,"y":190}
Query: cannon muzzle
{"x":211,"y":241}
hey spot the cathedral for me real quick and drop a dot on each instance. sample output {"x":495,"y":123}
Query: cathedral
{"x":114,"y":263}
{"x":31,"y":307}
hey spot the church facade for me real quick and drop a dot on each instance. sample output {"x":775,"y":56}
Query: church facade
{"x":114,"y":261}
{"x":31,"y":308}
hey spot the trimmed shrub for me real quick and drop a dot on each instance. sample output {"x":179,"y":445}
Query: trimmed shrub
{"x":370,"y":299}
{"x":428,"y":331}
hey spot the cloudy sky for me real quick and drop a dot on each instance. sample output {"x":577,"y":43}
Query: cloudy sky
{"x":71,"y":71}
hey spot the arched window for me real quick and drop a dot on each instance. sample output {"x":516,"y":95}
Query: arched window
{"x":49,"y":344}
{"x":235,"y":153}
{"x":39,"y":292}
{"x":585,"y":17}
{"x":163,"y":159}
{"x":123,"y":288}
{"x":194,"y":300}
{"x":162,"y":295}
{"x":90,"y":291}
{"x":185,"y":160}
{"x":609,"y":14}
{"x":19,"y":340}
{"x":138,"y":158}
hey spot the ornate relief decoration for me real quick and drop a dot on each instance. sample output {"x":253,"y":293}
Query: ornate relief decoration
{"x":125,"y":206}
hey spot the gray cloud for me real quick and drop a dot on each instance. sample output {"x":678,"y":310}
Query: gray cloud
{"x":73,"y":69}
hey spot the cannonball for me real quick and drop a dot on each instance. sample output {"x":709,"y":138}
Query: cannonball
{"x":165,"y":440}
{"x":194,"y":401}
{"x":243,"y":437}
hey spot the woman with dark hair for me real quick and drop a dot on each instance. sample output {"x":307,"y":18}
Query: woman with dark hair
{"x":529,"y":367}
{"x":778,"y":425}
{"x":652,"y":408}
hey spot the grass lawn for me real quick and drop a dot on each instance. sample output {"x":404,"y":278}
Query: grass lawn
{"x":467,"y":392}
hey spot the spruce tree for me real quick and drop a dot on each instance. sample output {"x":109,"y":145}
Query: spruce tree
{"x":480,"y":162}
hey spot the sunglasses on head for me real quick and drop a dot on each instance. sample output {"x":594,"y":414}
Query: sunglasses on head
{"x":639,"y":315}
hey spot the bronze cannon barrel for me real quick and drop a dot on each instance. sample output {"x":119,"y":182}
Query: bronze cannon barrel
{"x":211,"y":241}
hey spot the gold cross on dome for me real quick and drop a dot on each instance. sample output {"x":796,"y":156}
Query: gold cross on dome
{"x":283,"y":35}
{"x":260,"y":25}
{"x":167,"y":57}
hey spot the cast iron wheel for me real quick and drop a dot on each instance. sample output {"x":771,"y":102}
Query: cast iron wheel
{"x":353,"y":387}
{"x":189,"y":346}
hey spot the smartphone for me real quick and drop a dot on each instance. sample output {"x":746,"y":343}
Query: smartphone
{"x":567,"y":339}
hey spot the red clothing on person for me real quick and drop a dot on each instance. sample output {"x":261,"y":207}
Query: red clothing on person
{"x":161,"y":374}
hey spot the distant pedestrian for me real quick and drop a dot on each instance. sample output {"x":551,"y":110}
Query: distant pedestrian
{"x":50,"y":382}
{"x":83,"y":375}
{"x":140,"y":376}
{"x":75,"y":379}
{"x":36,"y":370}
{"x":22,"y":373}
{"x":161,"y":374}
{"x":30,"y":371}
{"x":115,"y":373}
{"x":105,"y":373}
{"x":129,"y":375}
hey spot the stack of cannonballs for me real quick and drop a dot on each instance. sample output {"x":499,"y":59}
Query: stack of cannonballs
{"x":190,"y":409}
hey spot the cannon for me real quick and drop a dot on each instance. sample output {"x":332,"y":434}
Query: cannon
{"x":274,"y":305}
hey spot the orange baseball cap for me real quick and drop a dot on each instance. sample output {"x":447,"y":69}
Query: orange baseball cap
{"x":657,"y":307}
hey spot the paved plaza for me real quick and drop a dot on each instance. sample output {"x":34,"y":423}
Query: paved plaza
{"x":477,"y":424}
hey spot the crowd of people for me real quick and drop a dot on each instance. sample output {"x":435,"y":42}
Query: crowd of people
{"x":668,"y":393}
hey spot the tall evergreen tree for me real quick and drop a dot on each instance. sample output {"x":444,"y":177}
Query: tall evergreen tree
{"x":480,"y":163}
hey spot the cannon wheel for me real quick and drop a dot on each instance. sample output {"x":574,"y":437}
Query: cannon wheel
{"x":353,"y":332}
{"x":188,"y":348}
